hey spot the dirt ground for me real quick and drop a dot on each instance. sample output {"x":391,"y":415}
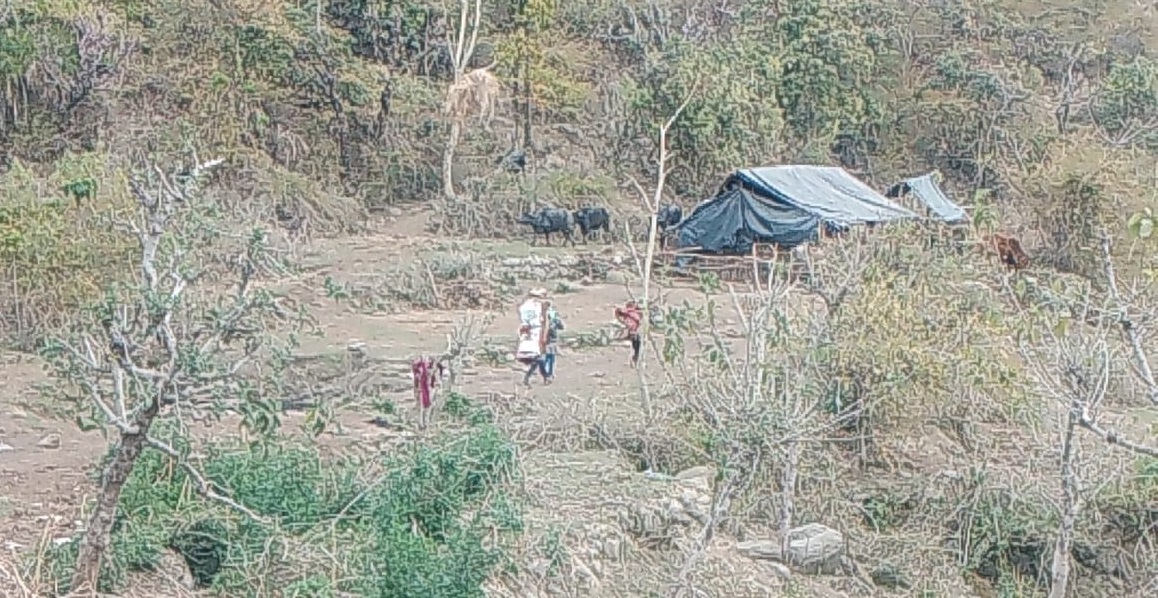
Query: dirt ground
{"x":47,"y":465}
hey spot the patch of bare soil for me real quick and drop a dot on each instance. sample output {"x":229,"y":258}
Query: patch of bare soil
{"x":44,"y":462}
{"x":46,"y":465}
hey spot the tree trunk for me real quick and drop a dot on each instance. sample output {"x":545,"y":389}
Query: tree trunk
{"x":788,"y":493}
{"x":527,"y":93}
{"x":94,"y":544}
{"x":1060,"y":569}
{"x":448,"y":159}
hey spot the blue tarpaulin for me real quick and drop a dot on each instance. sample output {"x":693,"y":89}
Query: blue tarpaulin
{"x":926,"y":189}
{"x":784,"y":205}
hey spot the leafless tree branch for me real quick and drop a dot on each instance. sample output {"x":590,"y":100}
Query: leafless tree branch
{"x":1129,"y":328}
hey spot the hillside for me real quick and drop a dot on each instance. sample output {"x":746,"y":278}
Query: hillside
{"x":330,"y":110}
{"x":916,"y":400}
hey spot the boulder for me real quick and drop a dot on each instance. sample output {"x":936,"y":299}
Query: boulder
{"x":684,"y":506}
{"x":813,"y":548}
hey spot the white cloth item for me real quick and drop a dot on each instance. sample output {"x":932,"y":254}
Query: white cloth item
{"x":531,"y":316}
{"x":528,"y":349}
{"x":531,"y":313}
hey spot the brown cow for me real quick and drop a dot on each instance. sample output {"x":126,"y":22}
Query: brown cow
{"x":1009,"y":250}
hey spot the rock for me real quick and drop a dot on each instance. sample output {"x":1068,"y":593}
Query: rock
{"x":52,"y":441}
{"x":815,"y":548}
{"x":780,"y":570}
{"x":656,"y":523}
{"x":889,"y":576}
{"x":761,"y":550}
{"x":616,"y":277}
{"x":700,"y":476}
{"x":4,"y":448}
{"x":812,"y":548}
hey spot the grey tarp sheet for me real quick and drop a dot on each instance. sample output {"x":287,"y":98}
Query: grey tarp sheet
{"x":732,"y":221}
{"x":929,"y":193}
{"x":783,"y":205}
{"x":828,"y":192}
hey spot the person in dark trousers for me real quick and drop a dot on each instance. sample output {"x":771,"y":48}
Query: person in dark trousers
{"x":533,"y":332}
{"x":554,"y":325}
{"x":630,"y":316}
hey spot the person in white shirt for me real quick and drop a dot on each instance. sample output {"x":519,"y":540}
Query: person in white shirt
{"x":533,"y":335}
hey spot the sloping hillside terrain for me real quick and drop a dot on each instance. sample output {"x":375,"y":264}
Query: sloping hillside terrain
{"x":274,"y":207}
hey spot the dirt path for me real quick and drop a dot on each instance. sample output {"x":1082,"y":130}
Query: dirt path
{"x":46,"y":464}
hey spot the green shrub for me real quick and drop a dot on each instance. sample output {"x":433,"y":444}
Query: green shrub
{"x":420,"y":526}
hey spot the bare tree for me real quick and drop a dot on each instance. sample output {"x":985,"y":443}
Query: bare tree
{"x":1072,"y":365}
{"x":1079,"y":384}
{"x":154,"y":349}
{"x":652,"y":203}
{"x":761,"y":389}
{"x":1070,"y":86}
{"x":1131,"y":329}
{"x":470,"y":92}
{"x":760,"y":392}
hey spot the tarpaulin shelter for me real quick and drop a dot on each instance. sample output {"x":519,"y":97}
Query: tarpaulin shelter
{"x":929,"y":193}
{"x":784,"y":205}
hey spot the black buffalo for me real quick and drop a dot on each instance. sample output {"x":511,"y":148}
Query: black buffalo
{"x":550,"y":220}
{"x":669,"y":215}
{"x":592,"y":220}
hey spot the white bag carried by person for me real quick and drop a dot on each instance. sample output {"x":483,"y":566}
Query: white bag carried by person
{"x":528,"y":349}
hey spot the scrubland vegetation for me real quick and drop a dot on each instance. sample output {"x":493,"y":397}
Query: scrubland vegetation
{"x":169,"y":170}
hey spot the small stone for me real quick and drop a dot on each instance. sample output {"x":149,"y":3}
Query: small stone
{"x":779,"y":569}
{"x":761,"y":550}
{"x":52,"y":441}
{"x":889,"y":576}
{"x":4,"y":448}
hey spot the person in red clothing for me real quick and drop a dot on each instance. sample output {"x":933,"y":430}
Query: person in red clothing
{"x":631,"y":316}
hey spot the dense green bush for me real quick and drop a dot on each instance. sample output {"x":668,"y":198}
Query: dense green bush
{"x":430,"y":521}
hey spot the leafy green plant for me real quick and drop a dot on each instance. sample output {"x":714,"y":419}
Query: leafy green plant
{"x":125,"y":372}
{"x":1007,"y":538}
{"x":1141,"y":224}
{"x":418,"y":527}
{"x":1127,"y":102}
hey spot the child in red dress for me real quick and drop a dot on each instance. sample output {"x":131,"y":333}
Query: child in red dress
{"x":630,"y":316}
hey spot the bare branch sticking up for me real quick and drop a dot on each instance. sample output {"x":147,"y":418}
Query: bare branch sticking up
{"x":1129,"y":328}
{"x":653,"y":205}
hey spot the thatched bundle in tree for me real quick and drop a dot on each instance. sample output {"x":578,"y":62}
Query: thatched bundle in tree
{"x":474,"y":93}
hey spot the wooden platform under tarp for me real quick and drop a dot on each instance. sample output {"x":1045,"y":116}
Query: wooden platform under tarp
{"x":755,"y":266}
